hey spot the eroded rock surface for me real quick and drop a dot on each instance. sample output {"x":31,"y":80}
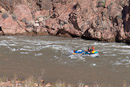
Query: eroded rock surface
{"x":106,"y":20}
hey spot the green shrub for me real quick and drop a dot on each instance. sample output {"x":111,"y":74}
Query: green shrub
{"x":101,"y":3}
{"x":4,"y":15}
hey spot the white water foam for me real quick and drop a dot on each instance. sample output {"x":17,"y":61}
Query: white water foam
{"x":79,"y":57}
{"x":38,"y":54}
{"x":25,"y":46}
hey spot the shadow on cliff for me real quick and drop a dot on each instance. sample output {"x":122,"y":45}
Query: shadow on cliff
{"x":126,"y":18}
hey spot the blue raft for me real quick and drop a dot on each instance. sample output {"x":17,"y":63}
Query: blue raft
{"x":85,"y":53}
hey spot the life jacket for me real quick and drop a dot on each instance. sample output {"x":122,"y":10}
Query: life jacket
{"x":93,"y":51}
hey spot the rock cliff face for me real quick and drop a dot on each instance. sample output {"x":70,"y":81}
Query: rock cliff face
{"x":105,"y":20}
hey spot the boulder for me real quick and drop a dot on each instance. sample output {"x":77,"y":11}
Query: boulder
{"x":52,"y":26}
{"x":23,"y":12}
{"x":108,"y":35}
{"x":41,"y":13}
{"x":36,"y":25}
{"x":11,"y":27}
{"x":106,"y":20}
{"x":2,"y":10}
{"x":40,"y":19}
{"x":42,"y":31}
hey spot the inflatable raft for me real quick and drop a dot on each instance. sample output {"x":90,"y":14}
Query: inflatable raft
{"x":85,"y":53}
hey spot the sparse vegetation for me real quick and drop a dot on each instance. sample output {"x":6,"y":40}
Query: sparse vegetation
{"x":101,"y":3}
{"x":4,"y":15}
{"x":34,"y":82}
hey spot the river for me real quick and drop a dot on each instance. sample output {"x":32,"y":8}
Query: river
{"x":50,"y":58}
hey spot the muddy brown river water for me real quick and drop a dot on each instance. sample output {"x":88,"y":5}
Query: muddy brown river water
{"x":50,"y":58}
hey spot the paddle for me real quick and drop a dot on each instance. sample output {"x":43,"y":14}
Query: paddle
{"x":83,"y":52}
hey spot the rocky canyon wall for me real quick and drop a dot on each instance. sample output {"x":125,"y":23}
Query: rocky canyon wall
{"x":105,"y":20}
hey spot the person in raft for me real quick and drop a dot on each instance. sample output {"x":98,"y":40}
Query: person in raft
{"x":93,"y":50}
{"x":89,"y":50}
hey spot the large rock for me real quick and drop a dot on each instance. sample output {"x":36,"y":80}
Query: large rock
{"x":23,"y":12}
{"x":44,"y":4}
{"x":42,"y":31}
{"x":11,"y":27}
{"x":106,"y":20}
{"x":52,"y":26}
{"x":42,"y":13}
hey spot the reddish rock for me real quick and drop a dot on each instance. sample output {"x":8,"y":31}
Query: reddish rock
{"x":42,"y":13}
{"x":63,"y":11}
{"x":9,"y":26}
{"x":1,"y":19}
{"x":52,"y":26}
{"x":42,"y":31}
{"x":92,"y":34}
{"x":29,"y":30}
{"x":106,"y":20}
{"x":71,"y":30}
{"x":121,"y":36}
{"x":108,"y":35}
{"x":0,"y":7}
{"x":23,"y":12}
{"x":127,"y":37}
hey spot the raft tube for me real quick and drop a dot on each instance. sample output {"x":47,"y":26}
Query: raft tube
{"x":85,"y":53}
